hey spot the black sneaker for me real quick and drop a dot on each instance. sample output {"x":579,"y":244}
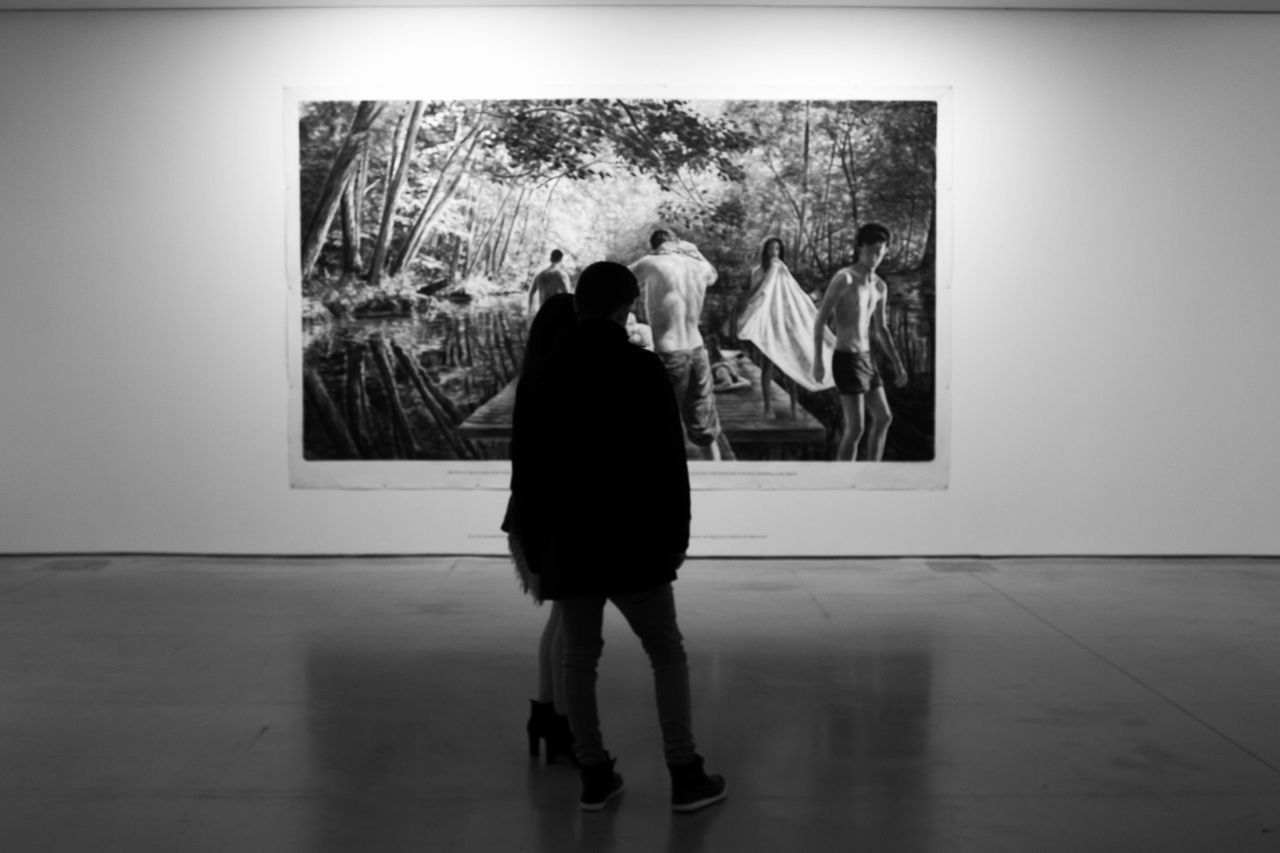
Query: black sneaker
{"x":599,"y":785}
{"x":692,"y":788}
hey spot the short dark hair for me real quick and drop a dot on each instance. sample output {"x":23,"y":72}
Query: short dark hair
{"x":764,"y":250}
{"x":603,"y":288}
{"x":657,"y":238}
{"x":556,"y":255}
{"x":872,"y":232}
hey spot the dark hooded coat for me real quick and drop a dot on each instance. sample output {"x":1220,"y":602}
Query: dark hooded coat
{"x":599,"y":477}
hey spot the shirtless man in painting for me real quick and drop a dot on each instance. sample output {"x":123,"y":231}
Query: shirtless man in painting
{"x":673,"y":279}
{"x":856,"y":298}
{"x":546,"y":284}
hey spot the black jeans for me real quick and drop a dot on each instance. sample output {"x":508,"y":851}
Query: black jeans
{"x":651,"y":614}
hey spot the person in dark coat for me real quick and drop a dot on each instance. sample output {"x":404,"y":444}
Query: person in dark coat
{"x":527,"y":543}
{"x":600,"y":482}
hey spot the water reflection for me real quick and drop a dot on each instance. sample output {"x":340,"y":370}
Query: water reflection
{"x":395,"y":387}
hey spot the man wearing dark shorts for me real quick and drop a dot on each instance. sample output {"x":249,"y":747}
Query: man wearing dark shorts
{"x":856,"y":299}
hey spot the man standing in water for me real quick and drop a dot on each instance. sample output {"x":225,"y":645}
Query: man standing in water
{"x":673,"y":278}
{"x":546,"y":284}
{"x":856,"y":298}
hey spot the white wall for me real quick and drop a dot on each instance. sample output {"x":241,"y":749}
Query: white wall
{"x":1115,"y":298}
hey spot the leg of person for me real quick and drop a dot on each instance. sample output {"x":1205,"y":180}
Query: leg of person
{"x":676,"y":363}
{"x":878,"y":419}
{"x":556,"y":657}
{"x":542,"y":712}
{"x":851,"y":407}
{"x":766,"y":385}
{"x":651,"y":614}
{"x":582,"y":623}
{"x":701,"y":416}
{"x":560,"y":743}
{"x":547,"y":664}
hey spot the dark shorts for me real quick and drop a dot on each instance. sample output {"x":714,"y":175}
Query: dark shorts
{"x":690,"y":373}
{"x":854,"y":372}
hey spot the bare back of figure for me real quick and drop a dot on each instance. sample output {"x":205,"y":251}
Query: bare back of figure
{"x":674,"y":290}
{"x":551,"y":281}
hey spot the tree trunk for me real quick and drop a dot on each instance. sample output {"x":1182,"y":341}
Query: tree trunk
{"x":393,"y":196}
{"x":849,"y":167}
{"x":486,"y":244}
{"x":803,"y":213}
{"x":506,"y":243}
{"x":440,"y":195}
{"x":469,"y":255}
{"x":930,"y":243}
{"x":362,"y":187}
{"x":344,"y":166}
{"x":350,"y":232}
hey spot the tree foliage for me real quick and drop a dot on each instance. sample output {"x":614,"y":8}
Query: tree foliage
{"x":447,"y":191}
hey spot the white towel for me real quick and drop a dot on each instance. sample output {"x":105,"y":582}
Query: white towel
{"x":779,"y":320}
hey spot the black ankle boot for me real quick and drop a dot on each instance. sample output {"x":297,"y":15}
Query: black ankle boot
{"x":692,"y":788}
{"x":541,"y":715}
{"x":552,"y":728}
{"x":600,"y":784}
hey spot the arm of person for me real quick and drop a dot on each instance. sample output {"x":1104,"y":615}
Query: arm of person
{"x":880,"y":327}
{"x":757,"y":279}
{"x":839,"y":284}
{"x":533,"y":288}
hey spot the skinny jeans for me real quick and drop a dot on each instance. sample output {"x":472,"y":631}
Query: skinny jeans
{"x":651,"y":613}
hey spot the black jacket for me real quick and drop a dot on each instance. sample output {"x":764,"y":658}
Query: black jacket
{"x":599,"y":480}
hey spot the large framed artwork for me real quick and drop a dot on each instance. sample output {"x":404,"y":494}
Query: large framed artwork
{"x":424,"y":234}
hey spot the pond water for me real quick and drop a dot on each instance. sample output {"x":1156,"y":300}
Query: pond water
{"x":467,"y":351}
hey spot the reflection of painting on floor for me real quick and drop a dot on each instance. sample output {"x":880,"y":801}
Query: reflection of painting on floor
{"x":422,"y":224}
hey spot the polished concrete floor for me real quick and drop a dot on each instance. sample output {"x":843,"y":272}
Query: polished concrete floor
{"x":216,"y":704}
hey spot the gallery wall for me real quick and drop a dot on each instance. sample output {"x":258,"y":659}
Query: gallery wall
{"x":1114,"y":296}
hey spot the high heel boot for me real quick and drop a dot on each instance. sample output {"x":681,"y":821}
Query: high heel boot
{"x":547,"y":726}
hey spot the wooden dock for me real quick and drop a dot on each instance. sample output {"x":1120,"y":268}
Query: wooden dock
{"x":741,"y":418}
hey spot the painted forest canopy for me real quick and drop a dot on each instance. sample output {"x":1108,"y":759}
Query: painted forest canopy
{"x":427,"y":195}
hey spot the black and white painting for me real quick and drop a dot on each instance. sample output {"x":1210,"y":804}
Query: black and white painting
{"x":427,"y":232}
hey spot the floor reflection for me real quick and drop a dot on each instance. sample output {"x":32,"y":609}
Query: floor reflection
{"x":415,"y":745}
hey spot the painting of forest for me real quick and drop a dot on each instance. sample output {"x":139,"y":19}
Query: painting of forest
{"x":423,"y":224}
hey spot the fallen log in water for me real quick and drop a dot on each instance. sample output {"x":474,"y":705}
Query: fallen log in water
{"x":330,"y":417}
{"x":450,"y":408}
{"x":441,"y":418}
{"x":399,"y":420}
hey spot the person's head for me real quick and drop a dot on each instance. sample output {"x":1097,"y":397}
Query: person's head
{"x":870,"y":244}
{"x":554,"y":317}
{"x":657,"y":238}
{"x":556,"y":256}
{"x":606,"y":290}
{"x":772,"y":250}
